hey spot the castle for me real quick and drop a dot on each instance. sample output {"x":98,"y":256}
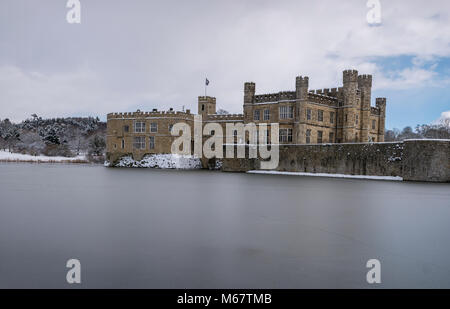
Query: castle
{"x":336,"y":115}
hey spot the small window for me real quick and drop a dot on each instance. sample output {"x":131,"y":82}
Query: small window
{"x":123,"y":143}
{"x":139,"y":127}
{"x":320,"y":115}
{"x":266,"y":114}
{"x":256,"y":115}
{"x":151,"y":142}
{"x":153,"y":127}
{"x":286,"y":112}
{"x":170,"y":128}
{"x":283,"y":135}
{"x":356,"y":119}
{"x":139,"y":142}
{"x":331,"y":117}
{"x":331,"y":137}
{"x":346,"y":118}
{"x":373,"y":124}
{"x":308,"y":114}
{"x":213,"y":132}
{"x":319,"y":137}
{"x":126,"y":128}
{"x":308,"y":136}
{"x":289,"y":132}
{"x":203,"y":107}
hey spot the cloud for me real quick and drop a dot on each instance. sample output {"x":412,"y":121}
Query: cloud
{"x":145,"y":54}
{"x":82,"y":92}
{"x":444,"y":119}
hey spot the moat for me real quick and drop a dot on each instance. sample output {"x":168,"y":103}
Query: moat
{"x":148,"y":228}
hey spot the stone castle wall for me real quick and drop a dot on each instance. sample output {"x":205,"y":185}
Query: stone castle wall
{"x":414,"y":160}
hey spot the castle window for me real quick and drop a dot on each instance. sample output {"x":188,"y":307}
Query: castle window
{"x":285,"y":135}
{"x":153,"y":127}
{"x":151,"y":142}
{"x":139,"y":127}
{"x":170,"y":128}
{"x":356,"y":119}
{"x":139,"y":142}
{"x":346,"y":118}
{"x":308,"y":136}
{"x":286,"y":112}
{"x":213,"y":132}
{"x":203,"y":107}
{"x":319,"y":137}
{"x":123,"y":143}
{"x":256,"y":115}
{"x":331,"y":117}
{"x":289,"y":135}
{"x":308,"y":114}
{"x":126,"y":128}
{"x":320,"y":115}
{"x":331,"y":137}
{"x":373,"y":124}
{"x":266,"y":114}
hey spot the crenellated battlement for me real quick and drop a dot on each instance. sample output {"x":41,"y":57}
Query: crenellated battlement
{"x":350,"y":76}
{"x":139,"y":114}
{"x":364,"y":81}
{"x":275,"y":97}
{"x":322,"y":99}
{"x":230,"y":117}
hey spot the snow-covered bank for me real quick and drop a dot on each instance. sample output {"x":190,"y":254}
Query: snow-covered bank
{"x":392,"y":178}
{"x":165,"y":161}
{"x":6,"y":156}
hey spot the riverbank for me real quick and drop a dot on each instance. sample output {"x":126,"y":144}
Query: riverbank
{"x":6,"y":156}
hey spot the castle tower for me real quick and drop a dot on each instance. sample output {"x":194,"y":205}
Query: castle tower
{"x":381,"y":105}
{"x":249,"y":94}
{"x":349,"y":110}
{"x":301,"y":90}
{"x":206,"y":106}
{"x":365,"y":86}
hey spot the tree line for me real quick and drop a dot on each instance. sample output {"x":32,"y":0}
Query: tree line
{"x":425,"y":131}
{"x":66,"y":137}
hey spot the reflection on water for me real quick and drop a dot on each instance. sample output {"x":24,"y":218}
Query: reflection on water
{"x":141,"y":228}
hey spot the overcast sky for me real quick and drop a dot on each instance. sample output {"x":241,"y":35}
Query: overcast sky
{"x":143,"y":54}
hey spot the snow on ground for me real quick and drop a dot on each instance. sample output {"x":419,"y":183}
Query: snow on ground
{"x":328,"y":175}
{"x":165,"y":161}
{"x":18,"y":157}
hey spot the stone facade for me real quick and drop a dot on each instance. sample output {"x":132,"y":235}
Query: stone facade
{"x":337,"y":115}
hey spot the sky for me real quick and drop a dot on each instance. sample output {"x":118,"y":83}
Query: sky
{"x":145,"y":54}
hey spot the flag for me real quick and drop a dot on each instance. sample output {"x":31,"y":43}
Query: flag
{"x":207,"y":82}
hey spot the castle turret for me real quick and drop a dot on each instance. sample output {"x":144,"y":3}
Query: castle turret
{"x":301,"y":87}
{"x":249,"y":95}
{"x":206,"y":106}
{"x":381,"y":106}
{"x":365,"y":87}
{"x":349,"y":112}
{"x":301,"y":90}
